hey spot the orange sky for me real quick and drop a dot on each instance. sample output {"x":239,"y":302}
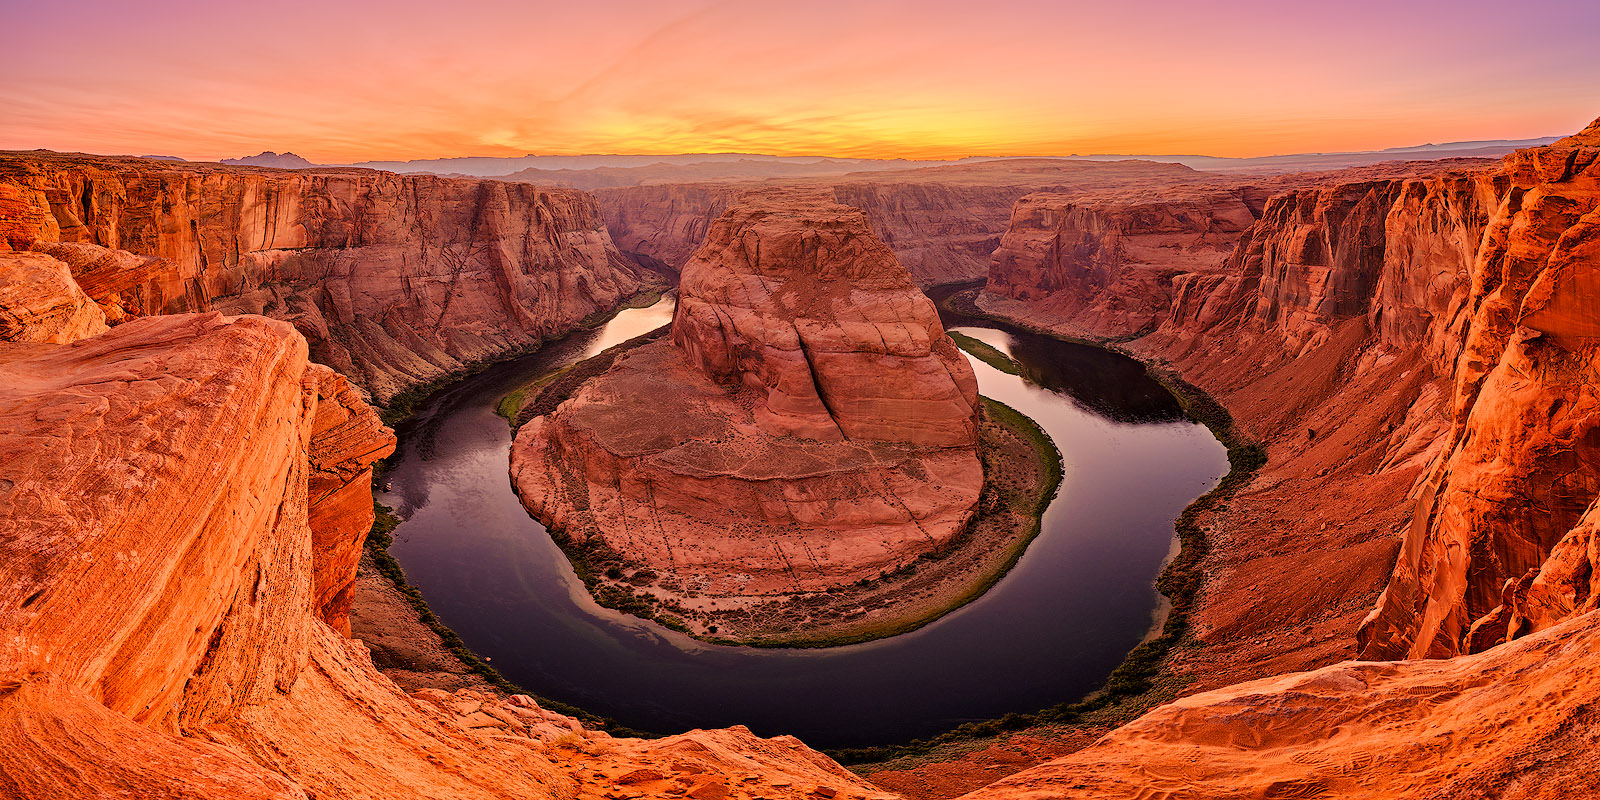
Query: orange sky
{"x":395,"y":79}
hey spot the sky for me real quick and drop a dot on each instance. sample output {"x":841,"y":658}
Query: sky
{"x":340,"y":81}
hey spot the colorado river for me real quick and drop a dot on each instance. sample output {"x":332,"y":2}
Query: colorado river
{"x":1050,"y":631}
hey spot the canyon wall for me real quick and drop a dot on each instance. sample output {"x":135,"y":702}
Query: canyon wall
{"x":811,"y":424}
{"x":1329,"y":331}
{"x":395,"y":280}
{"x":941,"y":233}
{"x":1419,"y":358}
{"x":1502,"y":543}
{"x":1108,"y":266}
{"x":941,"y":222}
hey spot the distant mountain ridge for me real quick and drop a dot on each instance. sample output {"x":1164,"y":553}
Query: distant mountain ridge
{"x":614,"y":170}
{"x":267,"y":158}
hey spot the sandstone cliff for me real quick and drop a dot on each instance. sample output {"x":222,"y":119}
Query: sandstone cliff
{"x":395,"y":280}
{"x":1502,"y":541}
{"x":1108,"y":266}
{"x":1328,"y":331}
{"x":181,"y":502}
{"x":810,"y":423}
{"x":1416,"y":355}
{"x":1515,"y":722}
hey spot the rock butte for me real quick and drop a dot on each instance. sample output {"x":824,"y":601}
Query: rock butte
{"x":1416,"y":351}
{"x":811,"y":424}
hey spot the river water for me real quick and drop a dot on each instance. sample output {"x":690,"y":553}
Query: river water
{"x":1078,"y":600}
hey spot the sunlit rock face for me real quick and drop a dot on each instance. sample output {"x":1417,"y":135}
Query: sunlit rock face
{"x":1502,"y":544}
{"x":808,"y":424}
{"x":395,"y":280}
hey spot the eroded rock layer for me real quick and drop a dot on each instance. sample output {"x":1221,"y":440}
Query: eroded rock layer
{"x":395,"y":280}
{"x":1515,"y":722}
{"x":809,"y":422}
{"x":1109,"y":266}
{"x":1502,"y":541}
{"x":182,"y":500}
{"x":1417,"y":356}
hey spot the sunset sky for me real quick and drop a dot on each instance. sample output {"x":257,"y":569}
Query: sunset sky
{"x":338,"y":82}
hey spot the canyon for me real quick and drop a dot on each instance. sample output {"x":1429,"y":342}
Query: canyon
{"x":813,"y":426}
{"x":185,"y":494}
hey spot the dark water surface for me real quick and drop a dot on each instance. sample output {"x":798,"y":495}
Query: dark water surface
{"x":1050,"y":631}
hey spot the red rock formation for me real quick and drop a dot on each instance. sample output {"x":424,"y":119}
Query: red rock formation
{"x":1451,"y":356}
{"x":1108,"y":266}
{"x":811,"y":425}
{"x":40,"y":302}
{"x":1521,"y":468}
{"x":941,"y":232}
{"x":395,"y":280}
{"x":175,"y":525}
{"x":804,"y":305}
{"x":1518,"y":721}
{"x":941,"y":222}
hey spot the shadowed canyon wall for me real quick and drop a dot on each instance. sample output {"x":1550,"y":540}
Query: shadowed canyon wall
{"x":395,"y":280}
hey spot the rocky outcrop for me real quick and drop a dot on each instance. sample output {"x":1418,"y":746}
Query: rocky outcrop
{"x":176,"y":517}
{"x":1518,"y":721}
{"x":1516,"y":485}
{"x":797,"y":300}
{"x":40,"y":302}
{"x":395,"y":280}
{"x":811,"y":424}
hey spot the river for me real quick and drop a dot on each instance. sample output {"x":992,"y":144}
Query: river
{"x":1078,"y":600}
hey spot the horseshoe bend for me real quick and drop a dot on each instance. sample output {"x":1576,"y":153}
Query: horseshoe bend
{"x":728,"y":475}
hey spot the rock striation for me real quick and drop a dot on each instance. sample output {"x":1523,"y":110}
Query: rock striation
{"x":1417,"y":355}
{"x":395,"y":280}
{"x":811,"y":424}
{"x":1516,"y":721}
{"x":40,"y":302}
{"x":1109,"y":265}
{"x":179,"y":520}
{"x":1502,"y":541}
